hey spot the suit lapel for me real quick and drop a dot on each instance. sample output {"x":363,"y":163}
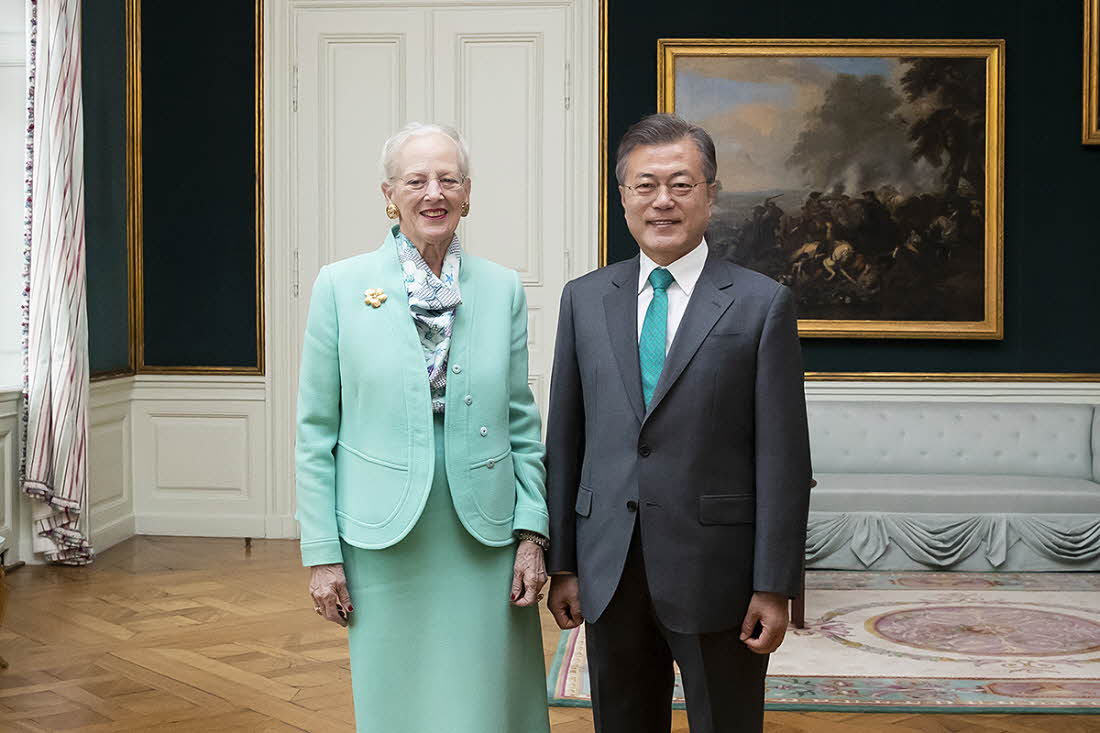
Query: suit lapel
{"x":621,"y":310}
{"x":709,"y":300}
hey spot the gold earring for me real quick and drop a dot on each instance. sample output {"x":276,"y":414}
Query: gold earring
{"x":391,"y":210}
{"x":465,"y":208}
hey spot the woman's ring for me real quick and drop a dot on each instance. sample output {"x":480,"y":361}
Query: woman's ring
{"x":317,"y":609}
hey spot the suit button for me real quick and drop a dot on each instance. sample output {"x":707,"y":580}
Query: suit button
{"x":484,"y":431}
{"x":632,"y":505}
{"x":468,"y":400}
{"x":645,"y":450}
{"x":490,"y":464}
{"x":456,"y":369}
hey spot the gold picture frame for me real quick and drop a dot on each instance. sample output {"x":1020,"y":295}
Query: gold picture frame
{"x":135,"y":208}
{"x":1090,"y":114}
{"x":991,"y":323}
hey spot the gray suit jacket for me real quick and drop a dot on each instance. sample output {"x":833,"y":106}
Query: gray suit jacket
{"x":716,"y":472}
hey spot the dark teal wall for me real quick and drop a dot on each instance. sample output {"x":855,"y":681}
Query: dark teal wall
{"x":198,"y":96}
{"x":104,"y":81}
{"x":1052,"y":252}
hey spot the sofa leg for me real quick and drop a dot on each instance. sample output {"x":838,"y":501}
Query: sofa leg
{"x":798,"y":610}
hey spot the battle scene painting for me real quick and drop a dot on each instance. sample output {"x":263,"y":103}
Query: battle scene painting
{"x":862,"y":182}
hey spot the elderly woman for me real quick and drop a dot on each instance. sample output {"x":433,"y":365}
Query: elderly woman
{"x":421,"y":489}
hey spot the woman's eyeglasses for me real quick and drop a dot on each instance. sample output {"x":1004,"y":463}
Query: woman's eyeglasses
{"x":419,"y":183}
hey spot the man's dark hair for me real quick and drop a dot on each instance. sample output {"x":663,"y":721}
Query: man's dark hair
{"x":662,"y":129}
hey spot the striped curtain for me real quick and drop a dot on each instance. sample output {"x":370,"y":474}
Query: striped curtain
{"x":55,"y":470}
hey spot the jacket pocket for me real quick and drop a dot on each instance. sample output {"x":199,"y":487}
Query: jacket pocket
{"x":727,"y":509}
{"x":372,"y":459}
{"x":584,"y":501}
{"x":493,"y":482}
{"x":369,"y":491}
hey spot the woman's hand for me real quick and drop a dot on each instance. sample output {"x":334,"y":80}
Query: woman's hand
{"x":329,"y":590}
{"x":528,"y":575}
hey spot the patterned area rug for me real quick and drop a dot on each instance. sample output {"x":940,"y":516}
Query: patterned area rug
{"x":929,"y":642}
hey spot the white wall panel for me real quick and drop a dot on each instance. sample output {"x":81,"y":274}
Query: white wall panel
{"x":504,"y":82}
{"x":536,"y":382}
{"x":11,"y":502}
{"x":13,"y":123}
{"x":13,"y":15}
{"x":499,"y":80}
{"x":363,"y":84}
{"x":9,"y":472}
{"x":536,"y":327}
{"x":108,"y":467}
{"x":200,"y":457}
{"x":183,"y":455}
{"x":109,"y":463}
{"x":360,"y":74}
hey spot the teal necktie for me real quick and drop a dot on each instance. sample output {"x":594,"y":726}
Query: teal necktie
{"x":651,"y":346}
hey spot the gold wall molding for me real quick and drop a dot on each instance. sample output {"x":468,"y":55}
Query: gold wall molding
{"x":1090,"y":118}
{"x":132,"y":22}
{"x":135,"y":203}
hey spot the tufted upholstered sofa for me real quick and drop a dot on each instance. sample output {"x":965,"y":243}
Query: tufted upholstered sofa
{"x":967,"y":486}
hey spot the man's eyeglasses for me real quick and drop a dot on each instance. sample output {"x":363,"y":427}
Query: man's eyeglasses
{"x":647,"y":190}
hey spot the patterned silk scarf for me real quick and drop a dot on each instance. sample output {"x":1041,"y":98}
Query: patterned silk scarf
{"x":432,"y":302}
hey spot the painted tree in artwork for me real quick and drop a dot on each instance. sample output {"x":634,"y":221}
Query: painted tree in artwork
{"x":951,"y":134}
{"x":853,"y":136}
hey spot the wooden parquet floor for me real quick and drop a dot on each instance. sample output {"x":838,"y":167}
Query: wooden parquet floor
{"x":197,"y":635}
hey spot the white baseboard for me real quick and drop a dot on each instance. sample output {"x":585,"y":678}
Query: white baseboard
{"x":112,"y":533}
{"x":201,"y":525}
{"x":282,"y":527}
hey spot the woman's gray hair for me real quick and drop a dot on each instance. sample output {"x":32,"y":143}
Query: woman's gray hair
{"x":418,"y":129}
{"x":662,"y":129}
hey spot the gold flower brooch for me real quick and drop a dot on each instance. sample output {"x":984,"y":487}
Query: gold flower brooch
{"x":374,"y":297}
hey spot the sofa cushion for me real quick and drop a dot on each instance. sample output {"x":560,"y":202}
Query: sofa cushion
{"x":963,"y":438}
{"x":953,"y":494}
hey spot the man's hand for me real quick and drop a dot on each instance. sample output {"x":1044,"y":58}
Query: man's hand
{"x":329,"y":591}
{"x":528,"y":574}
{"x":565,"y":601}
{"x":772,"y":612}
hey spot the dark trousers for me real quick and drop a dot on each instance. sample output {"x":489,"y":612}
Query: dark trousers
{"x":630,"y":656}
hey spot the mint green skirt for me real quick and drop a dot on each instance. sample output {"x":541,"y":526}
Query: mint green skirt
{"x":435,"y":643}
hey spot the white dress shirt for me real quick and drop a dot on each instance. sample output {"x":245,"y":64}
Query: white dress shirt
{"x":685,"y":272}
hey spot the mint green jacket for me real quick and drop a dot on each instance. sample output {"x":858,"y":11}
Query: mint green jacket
{"x":365,"y":452}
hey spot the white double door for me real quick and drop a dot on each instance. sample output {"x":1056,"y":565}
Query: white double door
{"x":498,"y":74}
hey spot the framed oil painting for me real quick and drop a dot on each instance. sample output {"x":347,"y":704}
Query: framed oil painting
{"x":1090,"y":129}
{"x":866,"y":175}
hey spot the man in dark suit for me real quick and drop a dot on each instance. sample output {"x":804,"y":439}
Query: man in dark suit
{"x":677,"y":454}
